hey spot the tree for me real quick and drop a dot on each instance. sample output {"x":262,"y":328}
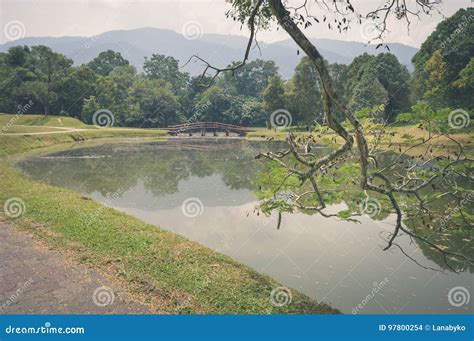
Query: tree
{"x":354,"y":73}
{"x":76,"y":86}
{"x":165,"y":68}
{"x":49,"y":69}
{"x":112,"y":94}
{"x":368,"y":92}
{"x":214,"y":105}
{"x":193,"y":90}
{"x":436,"y":71}
{"x":13,"y":72}
{"x":251,"y":79}
{"x":465,"y":85}
{"x":395,"y":79}
{"x":274,"y":97}
{"x":304,"y":93}
{"x":453,"y":39}
{"x":106,"y":61}
{"x":385,"y":70}
{"x":305,"y":177}
{"x":156,"y":104}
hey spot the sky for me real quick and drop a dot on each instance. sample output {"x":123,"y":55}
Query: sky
{"x":28,"y":18}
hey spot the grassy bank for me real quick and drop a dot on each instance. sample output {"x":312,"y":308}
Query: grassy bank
{"x":171,"y":273}
{"x":441,"y":145}
{"x":14,"y":144}
{"x":41,"y":120}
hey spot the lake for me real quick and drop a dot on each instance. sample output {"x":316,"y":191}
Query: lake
{"x":204,"y":189}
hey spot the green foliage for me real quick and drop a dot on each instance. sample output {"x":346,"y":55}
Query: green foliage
{"x":370,"y":80}
{"x":304,"y":94}
{"x":374,"y":86}
{"x":165,"y":68}
{"x":441,"y":60}
{"x":249,"y":80}
{"x":274,"y":97}
{"x":368,"y":92}
{"x":106,"y":62}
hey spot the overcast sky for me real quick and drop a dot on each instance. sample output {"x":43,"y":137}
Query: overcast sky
{"x":91,"y":17}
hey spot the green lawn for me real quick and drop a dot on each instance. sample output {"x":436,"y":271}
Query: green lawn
{"x":168,"y":271}
{"x":41,"y":120}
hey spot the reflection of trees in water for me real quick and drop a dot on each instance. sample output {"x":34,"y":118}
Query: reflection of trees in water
{"x":159,"y":166}
{"x":340,"y":185}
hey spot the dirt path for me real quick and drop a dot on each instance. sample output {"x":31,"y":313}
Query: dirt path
{"x":34,"y":279}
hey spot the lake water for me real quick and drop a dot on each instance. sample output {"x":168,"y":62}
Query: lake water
{"x":204,"y":190}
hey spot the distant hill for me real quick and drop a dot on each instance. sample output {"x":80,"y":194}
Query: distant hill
{"x":218,"y":49}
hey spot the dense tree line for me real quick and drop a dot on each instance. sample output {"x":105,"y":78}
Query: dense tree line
{"x":444,"y":66}
{"x":162,"y":94}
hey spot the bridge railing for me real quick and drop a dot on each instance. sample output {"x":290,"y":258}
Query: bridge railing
{"x":207,"y":125}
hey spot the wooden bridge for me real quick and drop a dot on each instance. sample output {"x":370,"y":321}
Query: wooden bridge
{"x":204,"y":127}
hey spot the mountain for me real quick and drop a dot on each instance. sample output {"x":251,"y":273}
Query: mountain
{"x":218,"y":49}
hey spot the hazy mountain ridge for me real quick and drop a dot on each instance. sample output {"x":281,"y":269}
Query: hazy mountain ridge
{"x":218,"y":49}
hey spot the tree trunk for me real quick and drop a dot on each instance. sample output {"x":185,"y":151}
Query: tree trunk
{"x":284,"y":19}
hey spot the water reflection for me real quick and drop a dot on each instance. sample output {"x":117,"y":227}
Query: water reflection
{"x":337,"y":262}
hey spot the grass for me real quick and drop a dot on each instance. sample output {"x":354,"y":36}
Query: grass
{"x":41,"y":120}
{"x":171,"y":273}
{"x":442,"y":145}
{"x":31,"y":129}
{"x":14,"y":144}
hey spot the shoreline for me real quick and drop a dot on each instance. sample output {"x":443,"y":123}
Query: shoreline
{"x":149,"y":262}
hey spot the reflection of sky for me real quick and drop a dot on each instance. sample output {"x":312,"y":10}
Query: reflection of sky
{"x":211,"y":190}
{"x":329,"y":260}
{"x":333,"y":261}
